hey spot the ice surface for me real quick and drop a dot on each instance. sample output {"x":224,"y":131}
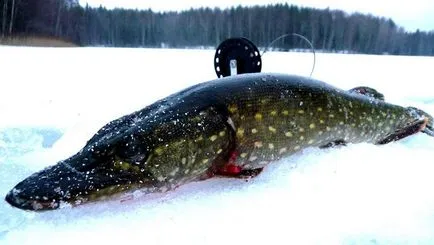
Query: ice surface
{"x":54,"y":100}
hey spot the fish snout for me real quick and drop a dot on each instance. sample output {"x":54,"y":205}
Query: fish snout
{"x":50,"y":187}
{"x":16,"y":199}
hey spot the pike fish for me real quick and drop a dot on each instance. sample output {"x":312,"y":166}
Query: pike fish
{"x":232,"y":127}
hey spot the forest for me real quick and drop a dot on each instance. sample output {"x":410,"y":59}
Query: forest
{"x":328,"y":30}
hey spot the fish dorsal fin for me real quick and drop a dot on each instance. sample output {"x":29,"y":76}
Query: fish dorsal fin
{"x":367,"y":91}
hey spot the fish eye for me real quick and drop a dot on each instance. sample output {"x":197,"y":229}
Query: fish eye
{"x":131,"y":151}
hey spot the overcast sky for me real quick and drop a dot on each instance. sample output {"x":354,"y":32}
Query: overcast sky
{"x":409,"y":14}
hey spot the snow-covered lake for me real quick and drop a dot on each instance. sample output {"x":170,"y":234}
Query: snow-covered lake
{"x":53,"y":100}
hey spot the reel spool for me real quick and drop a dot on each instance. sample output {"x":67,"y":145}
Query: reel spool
{"x":236,"y":56}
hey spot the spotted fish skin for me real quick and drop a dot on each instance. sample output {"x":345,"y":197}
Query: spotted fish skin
{"x":194,"y":133}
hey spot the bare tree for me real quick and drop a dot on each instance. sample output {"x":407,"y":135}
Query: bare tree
{"x":4,"y":19}
{"x":11,"y":22}
{"x":59,"y":13}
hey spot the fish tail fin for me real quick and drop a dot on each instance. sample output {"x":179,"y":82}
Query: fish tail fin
{"x":429,"y":127}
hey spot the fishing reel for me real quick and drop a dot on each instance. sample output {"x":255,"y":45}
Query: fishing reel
{"x":240,"y":55}
{"x":236,"y":56}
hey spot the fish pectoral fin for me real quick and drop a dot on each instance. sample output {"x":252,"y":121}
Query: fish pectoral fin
{"x":236,"y":172}
{"x":250,"y":173}
{"x":231,"y":169}
{"x":367,"y":91}
{"x":335,"y":143}
{"x":411,"y":129}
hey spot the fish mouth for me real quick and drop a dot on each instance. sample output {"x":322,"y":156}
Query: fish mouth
{"x":49,"y":187}
{"x":61,"y":183}
{"x":15,"y":200}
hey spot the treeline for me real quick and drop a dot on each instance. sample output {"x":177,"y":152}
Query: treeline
{"x":329,"y":30}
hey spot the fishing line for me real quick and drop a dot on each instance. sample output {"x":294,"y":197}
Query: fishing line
{"x":295,"y":35}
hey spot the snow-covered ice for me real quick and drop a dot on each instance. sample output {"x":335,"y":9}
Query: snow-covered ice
{"x":53,"y":100}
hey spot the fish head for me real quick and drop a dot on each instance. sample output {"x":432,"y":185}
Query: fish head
{"x":127,"y":156}
{"x":96,"y":172}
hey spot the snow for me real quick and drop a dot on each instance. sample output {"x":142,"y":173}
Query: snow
{"x":54,"y":100}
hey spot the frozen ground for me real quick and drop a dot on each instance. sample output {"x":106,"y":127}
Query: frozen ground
{"x":53,"y":100}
